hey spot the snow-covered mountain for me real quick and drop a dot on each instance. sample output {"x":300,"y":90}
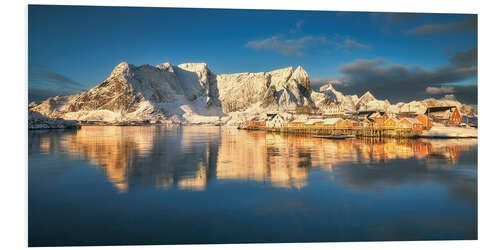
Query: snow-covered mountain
{"x":282,"y":89}
{"x":191,"y":93}
{"x":155,"y":93}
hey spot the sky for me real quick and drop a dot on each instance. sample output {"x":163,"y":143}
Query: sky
{"x":396,"y":56}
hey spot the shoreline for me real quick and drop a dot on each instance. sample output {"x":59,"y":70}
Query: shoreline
{"x":437,"y":133}
{"x":434,"y":133}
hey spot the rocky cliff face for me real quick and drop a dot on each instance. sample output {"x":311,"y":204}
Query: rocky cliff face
{"x":140,"y":93}
{"x":191,"y":93}
{"x":283,"y":88}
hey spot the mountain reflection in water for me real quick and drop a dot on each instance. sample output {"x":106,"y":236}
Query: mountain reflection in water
{"x":190,"y":157}
{"x":159,"y":185}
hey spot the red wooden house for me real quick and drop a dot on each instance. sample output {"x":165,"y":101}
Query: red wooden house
{"x":425,"y":120}
{"x":257,"y":124}
{"x":447,"y":115}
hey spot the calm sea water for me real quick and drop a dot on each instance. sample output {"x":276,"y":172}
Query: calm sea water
{"x":159,"y":185}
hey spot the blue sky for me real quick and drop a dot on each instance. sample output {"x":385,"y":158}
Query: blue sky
{"x":73,"y":48}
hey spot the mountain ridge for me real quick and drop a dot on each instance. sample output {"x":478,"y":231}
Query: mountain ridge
{"x":191,"y":93}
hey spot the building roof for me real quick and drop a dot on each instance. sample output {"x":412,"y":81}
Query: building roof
{"x":425,"y":116}
{"x":439,"y":109}
{"x":440,"y":115}
{"x":408,"y":114}
{"x":366,"y":112}
{"x":272,"y":116}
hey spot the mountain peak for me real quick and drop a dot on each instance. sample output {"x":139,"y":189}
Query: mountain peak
{"x":326,"y":87}
{"x":367,"y":97}
{"x":120,"y":68}
{"x":367,"y":94}
{"x":193,"y":66}
{"x":164,"y":66}
{"x":301,"y":76}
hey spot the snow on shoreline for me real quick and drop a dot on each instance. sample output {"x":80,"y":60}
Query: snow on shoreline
{"x":38,"y":121}
{"x":450,"y":132}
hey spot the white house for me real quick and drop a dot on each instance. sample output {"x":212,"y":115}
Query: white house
{"x":275,"y":121}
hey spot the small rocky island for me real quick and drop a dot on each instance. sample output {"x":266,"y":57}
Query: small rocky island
{"x":39,"y":121}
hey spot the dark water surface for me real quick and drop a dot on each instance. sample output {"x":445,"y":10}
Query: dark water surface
{"x":159,"y":185}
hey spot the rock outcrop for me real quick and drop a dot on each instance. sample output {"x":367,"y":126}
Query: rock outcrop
{"x":39,"y":121}
{"x":238,"y":92}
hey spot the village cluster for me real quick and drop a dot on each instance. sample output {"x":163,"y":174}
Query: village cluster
{"x":379,"y":120}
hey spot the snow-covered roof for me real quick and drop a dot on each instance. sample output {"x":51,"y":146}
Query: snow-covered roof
{"x":271,"y":117}
{"x":312,"y":121}
{"x":331,"y":121}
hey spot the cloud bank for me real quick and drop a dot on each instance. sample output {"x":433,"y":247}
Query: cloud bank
{"x":44,"y":83}
{"x":440,"y":90}
{"x":398,"y":82}
{"x":467,"y":25}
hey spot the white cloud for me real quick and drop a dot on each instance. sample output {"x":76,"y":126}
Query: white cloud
{"x":287,"y":47}
{"x":297,"y":47}
{"x":440,"y":90}
{"x":350,"y":43}
{"x":284,"y":44}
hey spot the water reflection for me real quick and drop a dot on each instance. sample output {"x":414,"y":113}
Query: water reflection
{"x":191,"y":157}
{"x":259,"y":187}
